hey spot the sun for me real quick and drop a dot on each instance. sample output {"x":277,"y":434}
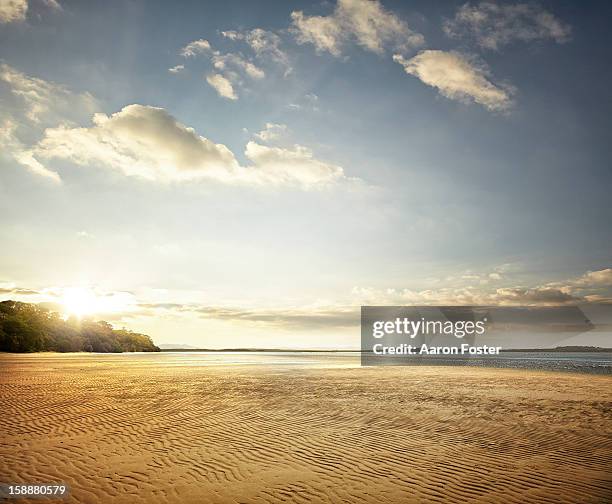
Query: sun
{"x":80,"y":301}
{"x":84,"y":301}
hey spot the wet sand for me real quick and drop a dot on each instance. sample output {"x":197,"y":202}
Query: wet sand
{"x":176,"y":429}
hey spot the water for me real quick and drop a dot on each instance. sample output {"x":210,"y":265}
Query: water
{"x":587,"y":362}
{"x":582,"y":362}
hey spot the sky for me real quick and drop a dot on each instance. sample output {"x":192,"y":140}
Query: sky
{"x":248,"y":174}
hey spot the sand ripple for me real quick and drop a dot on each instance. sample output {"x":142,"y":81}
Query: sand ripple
{"x":126,"y":430}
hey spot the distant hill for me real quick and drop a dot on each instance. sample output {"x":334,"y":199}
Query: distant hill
{"x":574,"y":348}
{"x":26,"y":327}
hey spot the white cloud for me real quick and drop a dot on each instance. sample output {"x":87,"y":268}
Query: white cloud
{"x":538,"y":296}
{"x":143,"y":141}
{"x":295,"y":166}
{"x":30,"y":104}
{"x":222,"y":61}
{"x":494,"y":25}
{"x":592,"y":287}
{"x":36,"y":94}
{"x":233,"y":35}
{"x":26,"y":158}
{"x":601,"y":278}
{"x":272,"y":131}
{"x":533,"y":296}
{"x":222,"y":86}
{"x":176,"y":69}
{"x":148,"y":142}
{"x":195,"y":47}
{"x":11,"y":145}
{"x":457,"y":78}
{"x":40,"y":99}
{"x":364,"y":21}
{"x":323,"y":32}
{"x":13,"y":10}
{"x":265,"y":44}
{"x":228,"y":67}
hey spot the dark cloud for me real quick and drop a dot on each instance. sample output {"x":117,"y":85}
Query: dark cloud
{"x":294,"y":319}
{"x":19,"y":291}
{"x":537,"y":295}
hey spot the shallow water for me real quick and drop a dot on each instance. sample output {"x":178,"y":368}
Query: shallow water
{"x":592,"y":362}
{"x":586,"y":362}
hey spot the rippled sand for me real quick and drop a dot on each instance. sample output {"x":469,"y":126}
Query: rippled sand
{"x":160,"y":428}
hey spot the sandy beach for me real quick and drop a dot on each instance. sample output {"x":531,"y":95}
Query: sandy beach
{"x":161,"y":428}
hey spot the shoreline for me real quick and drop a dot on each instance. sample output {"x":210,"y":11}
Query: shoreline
{"x":591,"y":363}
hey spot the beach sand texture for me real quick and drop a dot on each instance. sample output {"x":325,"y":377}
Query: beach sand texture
{"x":157,"y":429}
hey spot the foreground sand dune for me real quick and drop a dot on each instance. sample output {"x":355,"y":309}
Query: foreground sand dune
{"x":148,"y":429}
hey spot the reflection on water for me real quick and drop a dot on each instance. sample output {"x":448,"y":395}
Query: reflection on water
{"x":308,"y":359}
{"x":593,"y":362}
{"x":587,"y":362}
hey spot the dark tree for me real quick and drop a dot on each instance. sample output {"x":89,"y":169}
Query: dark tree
{"x":26,"y":327}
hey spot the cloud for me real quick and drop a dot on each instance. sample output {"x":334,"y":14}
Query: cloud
{"x":467,"y":295}
{"x":364,"y":21}
{"x":318,"y":316}
{"x":140,"y":140}
{"x":176,"y":69}
{"x":222,"y":86}
{"x":227,"y":66}
{"x":534,"y":296}
{"x":272,"y":131}
{"x":297,"y":166}
{"x":36,"y":94}
{"x":11,"y":145}
{"x":11,"y":288}
{"x":325,"y":33}
{"x":233,"y":35}
{"x":222,"y":61}
{"x":592,"y":287}
{"x":13,"y":10}
{"x":195,"y":48}
{"x":494,"y":25}
{"x":457,"y":78}
{"x":266,"y":44}
{"x":289,"y":318}
{"x":346,"y":314}
{"x":150,"y":143}
{"x":30,"y":103}
{"x":601,"y":278}
{"x":42,"y":100}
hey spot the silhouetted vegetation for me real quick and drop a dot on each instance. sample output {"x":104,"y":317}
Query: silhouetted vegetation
{"x":26,"y":327}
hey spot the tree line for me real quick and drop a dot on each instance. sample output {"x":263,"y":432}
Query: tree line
{"x":26,"y":327}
